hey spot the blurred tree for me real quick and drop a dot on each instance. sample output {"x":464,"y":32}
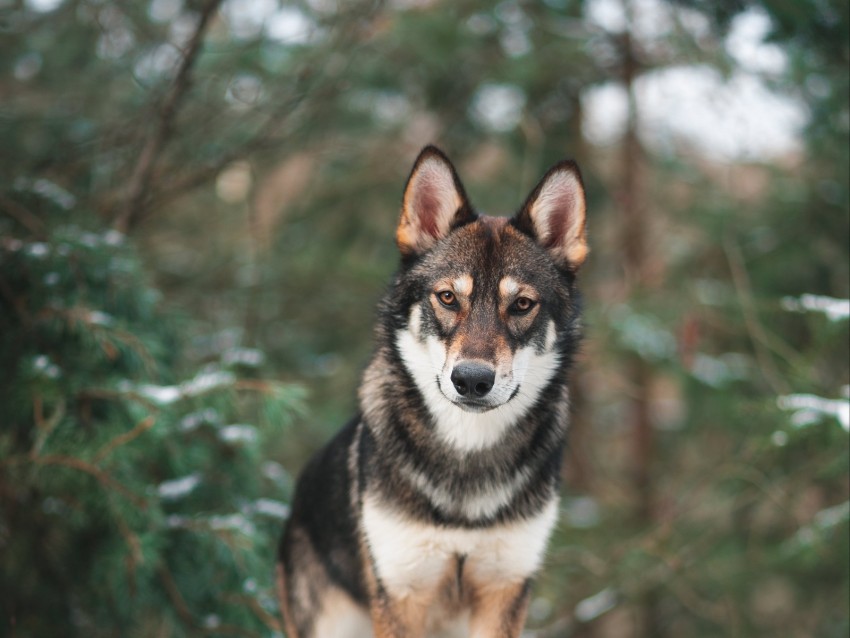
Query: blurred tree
{"x":735,"y":502}
{"x":255,"y":153}
{"x":131,"y":502}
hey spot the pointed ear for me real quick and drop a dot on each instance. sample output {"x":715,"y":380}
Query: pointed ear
{"x":434,"y":203}
{"x":554,"y":215}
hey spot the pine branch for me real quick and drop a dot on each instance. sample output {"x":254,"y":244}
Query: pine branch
{"x":134,"y":544}
{"x":45,"y":426}
{"x":176,"y":597}
{"x":122,"y":439}
{"x":269,"y":620}
{"x":102,"y":332}
{"x":103,"y":478}
{"x":89,"y":394}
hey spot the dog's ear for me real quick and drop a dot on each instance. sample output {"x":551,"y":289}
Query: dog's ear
{"x":554,"y":215}
{"x":434,"y":203}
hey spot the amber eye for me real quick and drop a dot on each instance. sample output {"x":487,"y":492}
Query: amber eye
{"x":447,"y":298}
{"x":522,"y":305}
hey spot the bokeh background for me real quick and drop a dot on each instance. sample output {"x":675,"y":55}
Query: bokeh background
{"x":197,"y":207}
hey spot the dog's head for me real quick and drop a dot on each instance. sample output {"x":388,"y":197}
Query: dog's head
{"x":485,"y":307}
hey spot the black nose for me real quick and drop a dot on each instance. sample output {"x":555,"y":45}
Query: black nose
{"x":473,"y":377}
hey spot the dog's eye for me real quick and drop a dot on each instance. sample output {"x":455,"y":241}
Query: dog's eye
{"x":522,"y":305}
{"x":447,"y":298}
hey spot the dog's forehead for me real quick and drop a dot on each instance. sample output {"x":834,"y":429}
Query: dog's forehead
{"x":485,"y":250}
{"x":482,"y":244}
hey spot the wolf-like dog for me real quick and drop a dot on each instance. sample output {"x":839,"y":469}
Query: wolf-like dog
{"x":429,"y":513}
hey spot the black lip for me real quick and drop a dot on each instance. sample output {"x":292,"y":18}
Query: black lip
{"x":475,"y":406}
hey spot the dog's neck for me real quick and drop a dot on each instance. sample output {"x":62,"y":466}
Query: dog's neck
{"x":462,"y":484}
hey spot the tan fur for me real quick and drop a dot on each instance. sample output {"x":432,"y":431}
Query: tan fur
{"x":283,"y":600}
{"x":499,"y":610}
{"x":338,"y":615}
{"x":577,"y":252}
{"x":303,"y":589}
{"x":402,"y":617}
{"x":406,"y":237}
{"x":395,"y":617}
{"x":341,"y":617}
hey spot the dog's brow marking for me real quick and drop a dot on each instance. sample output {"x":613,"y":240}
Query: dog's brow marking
{"x":463,"y":285}
{"x":508,"y":286}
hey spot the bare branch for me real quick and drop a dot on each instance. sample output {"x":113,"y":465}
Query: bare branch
{"x":141,"y":178}
{"x":756,"y":331}
{"x":308,"y":90}
{"x":23,"y":216}
{"x":265,"y":138}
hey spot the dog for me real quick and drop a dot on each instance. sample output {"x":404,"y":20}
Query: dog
{"x":429,"y":513}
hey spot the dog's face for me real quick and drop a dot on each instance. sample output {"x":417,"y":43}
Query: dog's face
{"x":489,"y":303}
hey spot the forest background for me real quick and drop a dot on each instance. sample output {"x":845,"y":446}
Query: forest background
{"x":197,"y":207}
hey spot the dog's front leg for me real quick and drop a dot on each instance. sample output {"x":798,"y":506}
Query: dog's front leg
{"x":401,"y":618}
{"x":499,"y":610}
{"x":397,"y":609}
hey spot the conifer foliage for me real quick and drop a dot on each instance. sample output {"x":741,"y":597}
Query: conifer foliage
{"x":134,"y":499}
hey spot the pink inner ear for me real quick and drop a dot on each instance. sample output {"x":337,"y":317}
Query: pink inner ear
{"x":427,"y":206}
{"x":559,"y":218}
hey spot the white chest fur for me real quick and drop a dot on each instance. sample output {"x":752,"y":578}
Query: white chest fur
{"x":411,"y":556}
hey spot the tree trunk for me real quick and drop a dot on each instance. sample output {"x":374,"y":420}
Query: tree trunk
{"x":639,"y":372}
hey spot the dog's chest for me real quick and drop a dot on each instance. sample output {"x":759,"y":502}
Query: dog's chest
{"x":411,"y":556}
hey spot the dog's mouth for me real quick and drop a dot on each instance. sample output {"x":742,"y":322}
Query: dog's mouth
{"x":473,"y":405}
{"x":477,"y":406}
